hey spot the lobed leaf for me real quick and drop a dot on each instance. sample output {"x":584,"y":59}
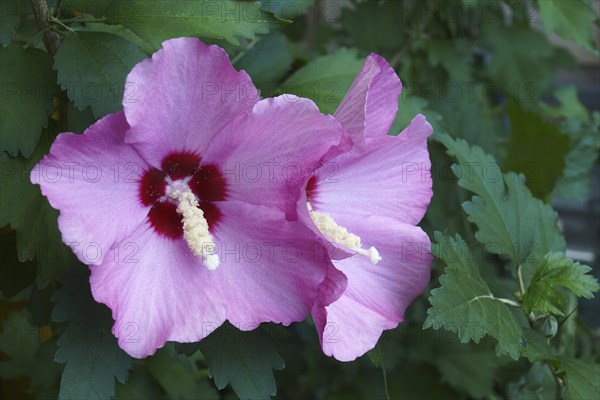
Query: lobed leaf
{"x":554,"y":271}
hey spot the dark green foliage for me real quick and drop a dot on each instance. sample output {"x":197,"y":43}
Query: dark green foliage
{"x":500,"y":318}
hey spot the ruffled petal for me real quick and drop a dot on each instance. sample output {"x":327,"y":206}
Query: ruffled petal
{"x":267,"y":154}
{"x":376,"y":296}
{"x":330,"y":290}
{"x":270,"y":268}
{"x":370,"y":105}
{"x":158,"y":291}
{"x":92,"y":179}
{"x":179,"y":99}
{"x":391,"y":179}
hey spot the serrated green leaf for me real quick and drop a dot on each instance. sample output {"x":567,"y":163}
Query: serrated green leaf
{"x":582,"y":379}
{"x":267,"y":62}
{"x":158,"y":20}
{"x":326,"y":79}
{"x":554,"y":271}
{"x":465,"y":305}
{"x":286,"y":9}
{"x":28,"y":84}
{"x":92,"y":356}
{"x":537,"y":149}
{"x":243,"y":359}
{"x":92,"y":67}
{"x":29,"y":213}
{"x":571,"y":19}
{"x":179,"y":383}
{"x":510,"y":221}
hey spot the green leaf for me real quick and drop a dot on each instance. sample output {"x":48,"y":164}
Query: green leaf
{"x":408,"y":107}
{"x":374,"y":26}
{"x":326,"y":79}
{"x":470,"y":368}
{"x":468,"y":115}
{"x":538,"y":384}
{"x":79,"y":120}
{"x":29,"y":213}
{"x":464,"y":303}
{"x":511,"y":222}
{"x":121,"y":31}
{"x":92,"y":356}
{"x":158,"y":20}
{"x":177,"y":381}
{"x":454,"y":55}
{"x":584,"y":133}
{"x":582,"y":379}
{"x":243,"y":359}
{"x":537,"y":149}
{"x":9,"y":16}
{"x":286,"y":9}
{"x":139,"y":386}
{"x":92,"y":67}
{"x":570,"y":107}
{"x":520,"y":60}
{"x":579,"y":162}
{"x":267,"y":62}
{"x":555,"y":271}
{"x":28,"y":84}
{"x":571,"y":19}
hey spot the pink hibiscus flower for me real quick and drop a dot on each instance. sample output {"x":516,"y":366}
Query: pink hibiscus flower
{"x":366,"y":203}
{"x":178,"y":203}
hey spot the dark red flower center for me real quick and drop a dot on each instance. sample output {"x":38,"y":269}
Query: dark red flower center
{"x":311,"y":189}
{"x":205,"y":180}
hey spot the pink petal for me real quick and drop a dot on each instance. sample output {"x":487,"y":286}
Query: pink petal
{"x":370,"y":106}
{"x":270,"y":268}
{"x":391,"y":179}
{"x":179,"y":99}
{"x":158,"y":291}
{"x":266,"y":154}
{"x":330,"y":290}
{"x":376,"y":296}
{"x":92,"y":179}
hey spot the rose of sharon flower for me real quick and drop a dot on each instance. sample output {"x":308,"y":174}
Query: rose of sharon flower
{"x":366,"y":203}
{"x":187,"y":199}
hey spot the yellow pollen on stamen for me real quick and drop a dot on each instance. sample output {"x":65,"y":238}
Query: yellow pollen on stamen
{"x":341,"y":236}
{"x":195,"y":228}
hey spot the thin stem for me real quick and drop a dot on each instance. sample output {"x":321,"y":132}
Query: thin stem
{"x":521,"y":282}
{"x":508,"y":301}
{"x":50,"y":38}
{"x":60,"y":23}
{"x":239,"y":55}
{"x":500,"y":299}
{"x":78,"y":19}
